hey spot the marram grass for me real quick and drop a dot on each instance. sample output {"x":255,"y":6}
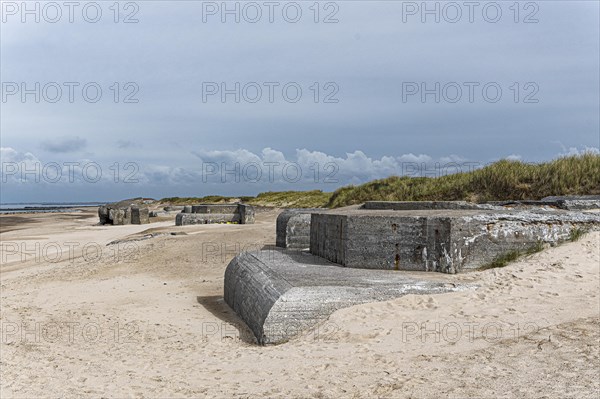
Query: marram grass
{"x":502,"y":180}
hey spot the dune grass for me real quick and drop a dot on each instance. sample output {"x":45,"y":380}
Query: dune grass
{"x":509,"y":257}
{"x":290,"y":199}
{"x":280,"y":199}
{"x":209,"y":199}
{"x":502,"y":180}
{"x":512,"y":256}
{"x":577,"y":233}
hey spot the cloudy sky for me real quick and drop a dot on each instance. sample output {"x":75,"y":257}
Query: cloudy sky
{"x":181,"y":98}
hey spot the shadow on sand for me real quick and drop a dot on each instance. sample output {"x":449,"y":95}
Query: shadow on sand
{"x":232,"y":326}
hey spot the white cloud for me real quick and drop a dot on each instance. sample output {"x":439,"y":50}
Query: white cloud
{"x":579,"y":151}
{"x":230,"y":172}
{"x":25,"y":167}
{"x":319,"y":167}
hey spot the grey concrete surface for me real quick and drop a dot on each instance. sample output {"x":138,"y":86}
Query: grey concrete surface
{"x":280,"y":293}
{"x":184,"y":219}
{"x":567,"y":202}
{"x":573,"y":202}
{"x":216,"y":208}
{"x":293,"y":228}
{"x":423,"y":205}
{"x":140,"y":215}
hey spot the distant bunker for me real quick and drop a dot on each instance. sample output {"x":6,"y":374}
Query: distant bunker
{"x":215,"y":213}
{"x":122,"y":213}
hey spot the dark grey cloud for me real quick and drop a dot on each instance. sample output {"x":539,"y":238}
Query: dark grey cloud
{"x":128,"y":144}
{"x":369,"y":54}
{"x":64,"y":144}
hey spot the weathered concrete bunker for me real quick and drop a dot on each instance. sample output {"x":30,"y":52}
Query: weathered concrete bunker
{"x":122,"y":213}
{"x":448,"y":241}
{"x":362,"y":254}
{"x":215,"y":213}
{"x":293,"y":225}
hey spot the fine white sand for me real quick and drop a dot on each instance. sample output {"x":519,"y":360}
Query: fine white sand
{"x":146,"y":319}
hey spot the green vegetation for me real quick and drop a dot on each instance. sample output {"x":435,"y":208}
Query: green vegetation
{"x":209,"y":199}
{"x":291,"y":199}
{"x":503,"y":260}
{"x":577,"y":233}
{"x":512,"y":256}
{"x":282,"y":199}
{"x":502,"y":180}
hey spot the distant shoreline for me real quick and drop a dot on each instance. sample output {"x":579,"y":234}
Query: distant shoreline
{"x":44,"y":209}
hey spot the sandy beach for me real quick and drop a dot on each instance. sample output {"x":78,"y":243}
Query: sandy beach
{"x":137,"y":311}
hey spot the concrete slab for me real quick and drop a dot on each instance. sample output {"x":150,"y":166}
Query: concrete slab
{"x":423,"y":205}
{"x":567,"y":202}
{"x":279,"y":293}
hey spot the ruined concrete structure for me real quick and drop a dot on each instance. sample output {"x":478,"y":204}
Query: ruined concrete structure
{"x":293,"y":228}
{"x":358,"y":254}
{"x":215,"y":213}
{"x":423,"y":205}
{"x":167,"y":211}
{"x":123,"y":212}
{"x":569,"y":202}
{"x":448,"y":241}
{"x":173,"y":208}
{"x":293,"y":225}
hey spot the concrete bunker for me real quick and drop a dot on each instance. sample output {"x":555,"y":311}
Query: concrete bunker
{"x":122,"y":213}
{"x":293,"y":225}
{"x":358,"y":255}
{"x":215,"y":213}
{"x":448,"y":241}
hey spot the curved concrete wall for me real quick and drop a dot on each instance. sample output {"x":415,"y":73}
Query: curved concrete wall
{"x":280,"y":294}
